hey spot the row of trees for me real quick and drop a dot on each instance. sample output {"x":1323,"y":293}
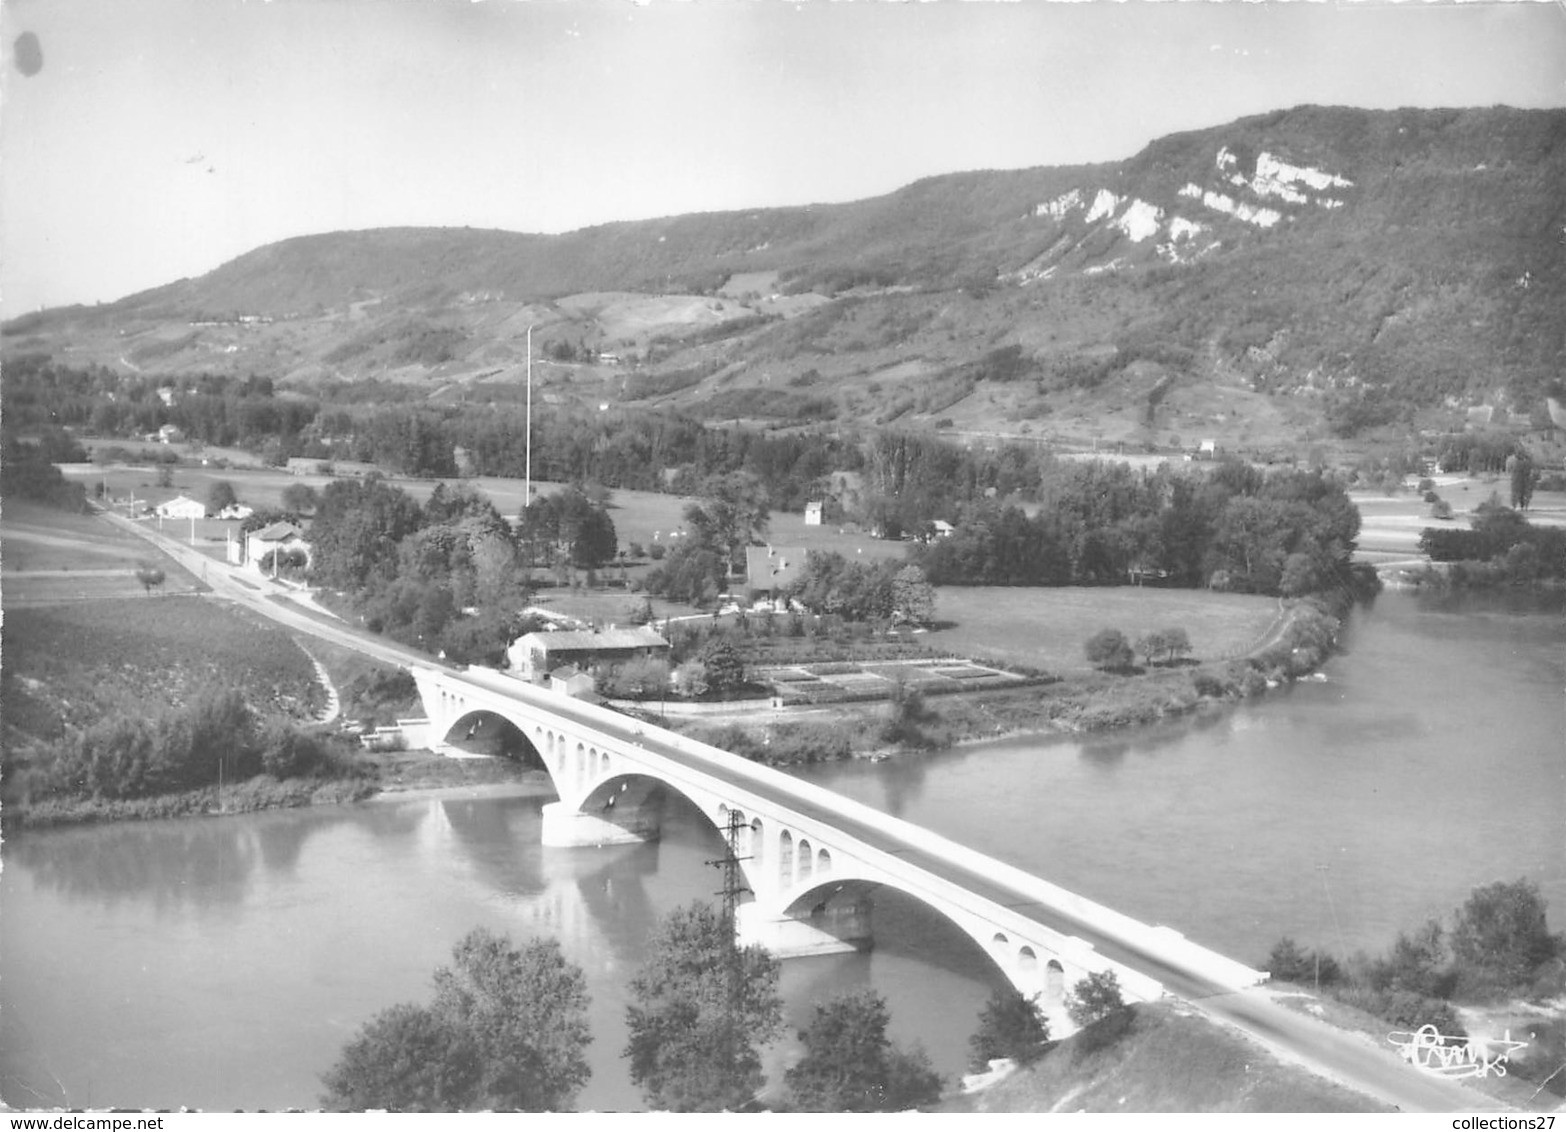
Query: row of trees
{"x":895,"y":483}
{"x":1289,"y":532}
{"x":1109,"y":648}
{"x":1516,"y":550}
{"x":507,"y":1029}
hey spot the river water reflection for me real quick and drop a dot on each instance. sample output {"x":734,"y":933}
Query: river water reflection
{"x":222,"y":963}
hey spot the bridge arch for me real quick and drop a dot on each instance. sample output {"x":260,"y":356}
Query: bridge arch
{"x":481,"y":731}
{"x":840,"y":905}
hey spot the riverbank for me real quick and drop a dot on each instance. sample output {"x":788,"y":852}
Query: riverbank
{"x":1294,"y":647}
{"x":371,"y":774}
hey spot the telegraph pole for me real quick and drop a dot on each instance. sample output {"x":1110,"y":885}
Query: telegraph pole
{"x":527,"y":490}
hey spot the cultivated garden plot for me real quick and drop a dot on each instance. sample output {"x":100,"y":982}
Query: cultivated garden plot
{"x":843,"y":681}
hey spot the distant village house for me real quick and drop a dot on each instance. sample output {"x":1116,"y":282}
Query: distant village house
{"x":282,"y":538}
{"x":182,"y":507}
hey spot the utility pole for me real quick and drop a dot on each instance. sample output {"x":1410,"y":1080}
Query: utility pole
{"x":1322,"y":869}
{"x":527,"y":489}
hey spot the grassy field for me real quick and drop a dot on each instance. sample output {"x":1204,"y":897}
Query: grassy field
{"x":1046,"y":628}
{"x":71,"y":664}
{"x":51,"y":556}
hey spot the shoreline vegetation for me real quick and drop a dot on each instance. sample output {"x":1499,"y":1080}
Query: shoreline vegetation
{"x":1296,"y":645}
{"x":1299,"y":642}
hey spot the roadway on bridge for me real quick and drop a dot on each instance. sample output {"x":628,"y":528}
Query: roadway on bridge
{"x":1337,"y":1054}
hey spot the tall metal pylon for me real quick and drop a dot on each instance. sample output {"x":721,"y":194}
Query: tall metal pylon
{"x":734,"y":885}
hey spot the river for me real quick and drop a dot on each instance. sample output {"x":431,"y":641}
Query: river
{"x":223,"y":962}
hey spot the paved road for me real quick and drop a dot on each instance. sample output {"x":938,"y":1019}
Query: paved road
{"x":1339,"y":1055}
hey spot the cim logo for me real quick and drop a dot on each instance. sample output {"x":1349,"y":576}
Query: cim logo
{"x":1441,"y":1056}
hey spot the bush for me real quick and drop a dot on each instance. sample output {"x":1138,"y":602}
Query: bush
{"x":1406,"y":1010}
{"x":288,"y":751}
{"x":1010,"y":1026}
{"x":1108,"y":649}
{"x":1206,"y":684}
{"x":1290,"y":963}
{"x":1094,"y":998}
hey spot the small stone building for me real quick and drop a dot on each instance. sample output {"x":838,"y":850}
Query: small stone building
{"x":536,"y":655}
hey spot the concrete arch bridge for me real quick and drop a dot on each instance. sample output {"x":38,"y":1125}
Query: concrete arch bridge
{"x":813,"y":858}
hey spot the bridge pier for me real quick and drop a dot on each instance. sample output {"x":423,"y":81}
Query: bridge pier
{"x":831,"y":928}
{"x":567,"y":827}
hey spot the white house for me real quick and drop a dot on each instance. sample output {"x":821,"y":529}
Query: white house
{"x":813,"y":513}
{"x":182,"y":507}
{"x":536,"y":655}
{"x":281,"y":536}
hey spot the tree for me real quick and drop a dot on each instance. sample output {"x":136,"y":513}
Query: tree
{"x":1176,"y":642}
{"x":1415,"y":964}
{"x":638,"y":678}
{"x":725,"y":671}
{"x":914,"y":597}
{"x":1500,"y":935}
{"x":701,"y":1010}
{"x":221,"y":496}
{"x":165,"y":475}
{"x":1523,"y":477}
{"x":525,"y":1010}
{"x":1290,"y":963}
{"x":1151,"y":645}
{"x":569,"y":525}
{"x":851,"y":1066}
{"x":731,"y":513}
{"x":300,"y":498}
{"x":1108,"y":648}
{"x":1012,"y":1026}
{"x":1093,"y":998}
{"x":150,"y":577}
{"x":405,"y":1059}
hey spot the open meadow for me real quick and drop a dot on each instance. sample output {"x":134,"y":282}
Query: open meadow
{"x":1046,"y":628}
{"x":49,"y":556}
